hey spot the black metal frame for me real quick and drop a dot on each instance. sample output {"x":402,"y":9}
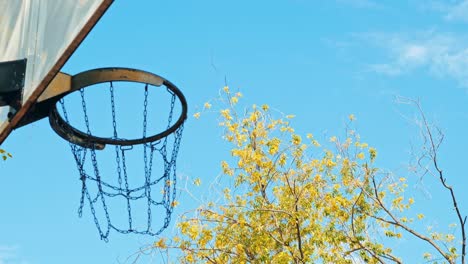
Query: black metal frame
{"x":96,"y":76}
{"x":12,"y":76}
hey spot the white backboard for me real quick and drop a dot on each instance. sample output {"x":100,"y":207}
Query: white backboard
{"x":46,"y":33}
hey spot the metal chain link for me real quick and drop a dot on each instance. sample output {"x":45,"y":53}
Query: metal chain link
{"x":96,"y":174}
{"x":145,"y":160}
{"x":114,"y":126}
{"x":107,"y":190}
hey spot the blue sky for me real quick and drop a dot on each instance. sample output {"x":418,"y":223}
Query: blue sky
{"x":319,"y":60}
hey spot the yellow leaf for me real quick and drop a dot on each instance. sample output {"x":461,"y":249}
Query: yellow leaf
{"x":190,"y":258}
{"x":239,"y":248}
{"x":207,"y":105}
{"x":427,"y":256}
{"x":197,"y":182}
{"x":449,"y":237}
{"x":296,"y":139}
{"x":372,"y":153}
{"x":161,"y":243}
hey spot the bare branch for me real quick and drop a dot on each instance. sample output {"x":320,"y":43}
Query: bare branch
{"x":434,"y":141}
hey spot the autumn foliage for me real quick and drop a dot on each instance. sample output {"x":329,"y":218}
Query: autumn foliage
{"x":293,"y":200}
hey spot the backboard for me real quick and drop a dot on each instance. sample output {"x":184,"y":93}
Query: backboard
{"x":45,"y":33}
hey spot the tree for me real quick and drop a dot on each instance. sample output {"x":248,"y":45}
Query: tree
{"x":293,"y":200}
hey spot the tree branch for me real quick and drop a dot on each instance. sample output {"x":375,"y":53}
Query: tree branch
{"x":433,"y":154}
{"x":398,"y":223}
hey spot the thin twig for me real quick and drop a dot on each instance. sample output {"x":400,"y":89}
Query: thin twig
{"x":434,"y":147}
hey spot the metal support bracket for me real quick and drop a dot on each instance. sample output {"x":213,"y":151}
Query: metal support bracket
{"x":12,"y":75}
{"x":59,"y":86}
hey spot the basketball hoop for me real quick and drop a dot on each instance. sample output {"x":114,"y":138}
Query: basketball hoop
{"x":86,"y":148}
{"x":92,"y":77}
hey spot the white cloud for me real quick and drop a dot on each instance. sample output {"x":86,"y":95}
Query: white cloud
{"x":415,"y":53}
{"x":458,"y":12}
{"x":453,"y":10}
{"x":442,"y":55}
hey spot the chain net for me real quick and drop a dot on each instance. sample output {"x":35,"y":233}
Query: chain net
{"x":154,"y":194}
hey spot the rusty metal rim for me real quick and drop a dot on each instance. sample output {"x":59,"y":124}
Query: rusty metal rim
{"x":96,"y":76}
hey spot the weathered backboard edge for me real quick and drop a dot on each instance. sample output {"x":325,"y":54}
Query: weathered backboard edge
{"x":10,"y":126}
